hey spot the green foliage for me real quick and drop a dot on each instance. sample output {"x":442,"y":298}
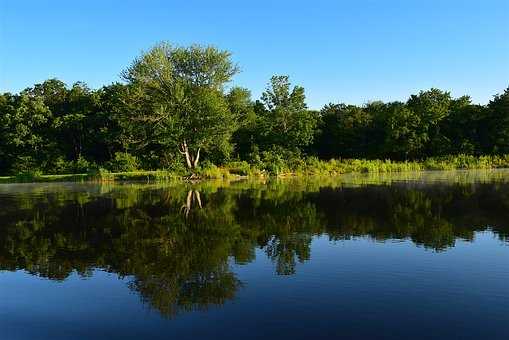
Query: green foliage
{"x":100,"y":174}
{"x":123,"y":162}
{"x":243,"y":110}
{"x":498,"y":122}
{"x":283,"y":164}
{"x":28,"y":176}
{"x":176,"y":100}
{"x":78,"y":166}
{"x":284,"y":120}
{"x":466,"y":129}
{"x":345,"y":129}
{"x":24,"y":121}
{"x":175,"y":110}
{"x":241,"y":168}
{"x":405,"y":136}
{"x":210,"y":171}
{"x":24,"y":164}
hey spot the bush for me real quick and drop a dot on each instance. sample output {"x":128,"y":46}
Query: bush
{"x":61,"y":166}
{"x":80,"y":166}
{"x":123,"y":162}
{"x":209,"y":171}
{"x":28,"y":176}
{"x":176,"y":166}
{"x":100,"y":174}
{"x":241,"y":168}
{"x":24,"y":165}
{"x":277,"y":160}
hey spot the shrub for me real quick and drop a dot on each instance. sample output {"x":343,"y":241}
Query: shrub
{"x":81,"y":165}
{"x":28,"y":176}
{"x":123,"y":162}
{"x":100,"y":174}
{"x":177,"y":167}
{"x":62,"y":166}
{"x":278,"y":160}
{"x":24,"y":164}
{"x":239,"y":168}
{"x":209,"y":171}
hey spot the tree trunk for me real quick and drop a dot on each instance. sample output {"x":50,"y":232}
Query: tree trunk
{"x":191,"y":161}
{"x":197,"y":158}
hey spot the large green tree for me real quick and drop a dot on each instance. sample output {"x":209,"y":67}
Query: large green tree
{"x":177,"y":100}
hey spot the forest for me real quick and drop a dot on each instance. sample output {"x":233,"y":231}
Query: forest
{"x":175,"y":109}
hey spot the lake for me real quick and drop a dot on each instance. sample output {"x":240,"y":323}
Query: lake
{"x":411,"y":255}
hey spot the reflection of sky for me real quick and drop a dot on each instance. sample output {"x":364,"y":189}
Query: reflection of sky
{"x":358,"y":287}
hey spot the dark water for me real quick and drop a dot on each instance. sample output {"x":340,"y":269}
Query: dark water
{"x":408,"y":256}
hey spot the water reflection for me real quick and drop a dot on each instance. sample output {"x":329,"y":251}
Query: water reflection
{"x":177,"y":242}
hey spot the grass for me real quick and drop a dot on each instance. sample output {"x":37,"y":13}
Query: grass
{"x":44,"y":178}
{"x":295,"y":167}
{"x":103,"y":176}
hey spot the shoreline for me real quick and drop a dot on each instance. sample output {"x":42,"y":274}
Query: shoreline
{"x":307,"y":168}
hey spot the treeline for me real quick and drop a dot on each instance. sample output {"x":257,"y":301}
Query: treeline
{"x":174,"y":110}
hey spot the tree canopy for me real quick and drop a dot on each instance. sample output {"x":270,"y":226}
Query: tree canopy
{"x":178,"y":100}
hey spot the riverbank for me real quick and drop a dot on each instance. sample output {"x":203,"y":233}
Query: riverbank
{"x":297,"y":167}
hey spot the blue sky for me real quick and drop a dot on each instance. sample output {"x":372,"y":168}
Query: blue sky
{"x":340,"y":51}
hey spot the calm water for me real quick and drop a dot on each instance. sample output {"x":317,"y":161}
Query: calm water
{"x":408,"y":256}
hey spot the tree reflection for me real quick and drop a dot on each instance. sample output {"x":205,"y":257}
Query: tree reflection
{"x":177,"y":244}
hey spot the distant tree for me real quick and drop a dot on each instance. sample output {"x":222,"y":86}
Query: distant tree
{"x":25,"y":121}
{"x":285,"y":120}
{"x":177,"y":99}
{"x":53,"y":93}
{"x":243,"y":110}
{"x":7,"y":109}
{"x":498,"y":122}
{"x":405,"y":137}
{"x":376,"y":132}
{"x":74,"y":125}
{"x":465,"y":128}
{"x":109,"y":118}
{"x":344,"y":131}
{"x":431,"y":107}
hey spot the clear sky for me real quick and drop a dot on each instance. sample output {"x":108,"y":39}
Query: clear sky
{"x":340,"y":51}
